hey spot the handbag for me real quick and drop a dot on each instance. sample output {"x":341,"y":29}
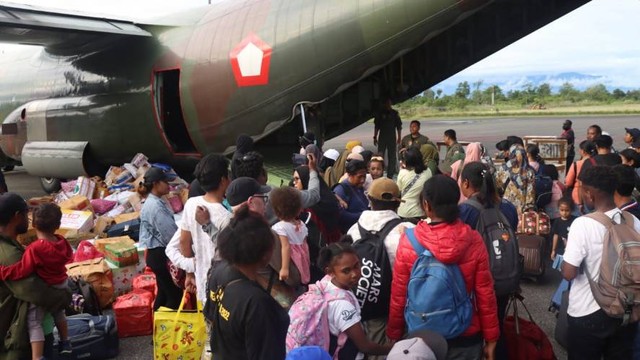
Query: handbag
{"x":525,"y":339}
{"x":179,"y":334}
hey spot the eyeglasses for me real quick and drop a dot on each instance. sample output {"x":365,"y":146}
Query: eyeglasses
{"x":264,"y":197}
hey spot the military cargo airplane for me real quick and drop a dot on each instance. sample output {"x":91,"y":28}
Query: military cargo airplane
{"x":85,"y":92}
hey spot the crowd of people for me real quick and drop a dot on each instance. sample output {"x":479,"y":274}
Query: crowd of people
{"x":257,"y":257}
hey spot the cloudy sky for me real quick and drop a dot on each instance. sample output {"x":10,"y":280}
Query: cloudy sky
{"x":601,"y":38}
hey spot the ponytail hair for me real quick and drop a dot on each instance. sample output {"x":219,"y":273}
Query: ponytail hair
{"x":330,"y":253}
{"x":480,"y":178}
{"x":144,"y":189}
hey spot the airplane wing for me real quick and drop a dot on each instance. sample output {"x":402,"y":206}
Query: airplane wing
{"x":57,"y":30}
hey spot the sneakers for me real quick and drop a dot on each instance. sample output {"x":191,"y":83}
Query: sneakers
{"x":65,"y":347}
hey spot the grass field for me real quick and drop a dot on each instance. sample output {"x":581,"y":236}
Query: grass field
{"x":410,"y":112}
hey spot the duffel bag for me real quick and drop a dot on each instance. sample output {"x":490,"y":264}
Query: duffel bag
{"x":92,"y":337}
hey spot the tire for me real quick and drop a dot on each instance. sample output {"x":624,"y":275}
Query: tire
{"x":50,"y":185}
{"x":8,"y":168}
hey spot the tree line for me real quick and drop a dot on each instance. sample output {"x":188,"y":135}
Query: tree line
{"x":528,"y":96}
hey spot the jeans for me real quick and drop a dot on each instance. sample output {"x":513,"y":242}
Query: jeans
{"x":598,"y":335}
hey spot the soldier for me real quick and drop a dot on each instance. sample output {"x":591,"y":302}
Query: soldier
{"x":384,"y":124}
{"x":414,"y":138}
{"x":455,"y":151}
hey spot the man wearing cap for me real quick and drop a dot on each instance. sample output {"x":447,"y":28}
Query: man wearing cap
{"x":386,"y":124}
{"x":15,"y":296}
{"x":384,"y":198}
{"x":632,"y":138}
{"x":570,"y":136}
{"x":248,"y":191}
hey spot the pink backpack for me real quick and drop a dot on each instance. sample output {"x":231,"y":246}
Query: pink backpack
{"x":309,"y":324}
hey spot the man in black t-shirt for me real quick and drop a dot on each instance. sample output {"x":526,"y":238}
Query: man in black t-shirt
{"x":387,"y":135}
{"x":604,"y":157}
{"x":627,"y":180}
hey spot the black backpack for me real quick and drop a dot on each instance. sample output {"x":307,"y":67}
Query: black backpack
{"x":374,"y":287}
{"x":543,"y":187}
{"x":502,"y":247}
{"x":84,"y":299}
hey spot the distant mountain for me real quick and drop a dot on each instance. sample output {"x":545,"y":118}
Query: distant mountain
{"x":518,"y":82}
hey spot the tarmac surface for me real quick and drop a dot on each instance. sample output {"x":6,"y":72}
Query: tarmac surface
{"x":537,"y":292}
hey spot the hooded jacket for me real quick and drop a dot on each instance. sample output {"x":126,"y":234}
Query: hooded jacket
{"x":454,"y":243}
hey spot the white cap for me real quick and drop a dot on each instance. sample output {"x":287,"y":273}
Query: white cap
{"x":422,"y":345}
{"x":357,"y":149}
{"x":331,"y":154}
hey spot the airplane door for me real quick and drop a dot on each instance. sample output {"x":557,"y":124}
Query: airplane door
{"x":169,"y":111}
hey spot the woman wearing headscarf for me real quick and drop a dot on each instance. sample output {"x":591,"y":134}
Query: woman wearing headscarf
{"x":244,"y":144}
{"x":430,"y":157}
{"x":472,"y":153}
{"x":517,"y":179}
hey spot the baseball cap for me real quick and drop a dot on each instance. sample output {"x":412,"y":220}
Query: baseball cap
{"x":242,"y":188}
{"x":357,"y":149}
{"x":308,"y":353}
{"x":421,"y":345}
{"x":11,"y":203}
{"x":156,"y":174}
{"x":353,"y":156}
{"x":384,"y":189}
{"x":331,"y":154}
{"x":634,"y":132}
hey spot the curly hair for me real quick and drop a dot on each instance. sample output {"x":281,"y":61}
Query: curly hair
{"x":600,"y":178}
{"x":286,"y":203}
{"x":46,"y":217}
{"x":211,"y":170}
{"x":247,"y":238}
{"x":250,"y":165}
{"x":329,"y":254}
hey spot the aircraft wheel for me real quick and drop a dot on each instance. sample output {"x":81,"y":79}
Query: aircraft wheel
{"x":50,"y":185}
{"x":8,"y":168}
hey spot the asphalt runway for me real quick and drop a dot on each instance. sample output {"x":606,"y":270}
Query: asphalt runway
{"x":488,"y":131}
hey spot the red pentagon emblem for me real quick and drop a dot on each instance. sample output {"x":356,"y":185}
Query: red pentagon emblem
{"x":250,"y":61}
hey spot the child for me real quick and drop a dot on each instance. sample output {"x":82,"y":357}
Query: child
{"x":560,"y":227}
{"x":376,"y":167}
{"x":47,"y":257}
{"x":292,"y":232}
{"x":533,"y":155}
{"x":342,"y":267}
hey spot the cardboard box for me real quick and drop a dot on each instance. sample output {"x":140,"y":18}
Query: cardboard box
{"x":100,"y":244}
{"x":135,"y":201}
{"x":112,"y":174}
{"x":121,"y":254}
{"x":77,"y":202}
{"x":126,"y":217}
{"x":81,"y":221}
{"x":102,"y":222}
{"x":84,"y":187}
{"x":36,"y":201}
{"x":140,"y":160}
{"x":184,"y":195}
{"x":97,"y":273}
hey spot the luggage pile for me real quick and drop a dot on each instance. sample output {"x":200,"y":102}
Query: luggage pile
{"x":533,"y":228}
{"x":101,"y":221}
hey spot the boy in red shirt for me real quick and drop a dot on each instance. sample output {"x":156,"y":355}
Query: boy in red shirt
{"x":47,"y":257}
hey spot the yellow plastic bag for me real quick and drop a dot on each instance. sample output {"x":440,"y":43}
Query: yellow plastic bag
{"x":179,"y":334}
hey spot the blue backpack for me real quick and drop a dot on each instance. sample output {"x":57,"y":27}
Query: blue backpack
{"x":437,"y":298}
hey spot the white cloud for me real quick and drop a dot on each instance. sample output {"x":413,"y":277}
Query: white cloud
{"x":599,"y":38}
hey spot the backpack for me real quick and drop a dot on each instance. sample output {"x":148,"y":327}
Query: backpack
{"x":543,"y":188}
{"x":84,"y":299}
{"x":502,"y":247}
{"x":437,"y":298}
{"x":617,"y":288}
{"x":309,"y":318}
{"x":374,"y":287}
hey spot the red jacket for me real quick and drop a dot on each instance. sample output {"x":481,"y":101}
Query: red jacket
{"x":45,"y":258}
{"x":454,"y":243}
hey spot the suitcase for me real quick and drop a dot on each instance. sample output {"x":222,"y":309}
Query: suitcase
{"x":92,"y":337}
{"x":129,"y":228}
{"x":524,"y":338}
{"x":561,"y":331}
{"x":533,"y":249}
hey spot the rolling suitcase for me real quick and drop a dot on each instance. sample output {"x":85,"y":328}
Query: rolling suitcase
{"x":532,"y":248}
{"x":129,"y":228}
{"x":92,"y":337}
